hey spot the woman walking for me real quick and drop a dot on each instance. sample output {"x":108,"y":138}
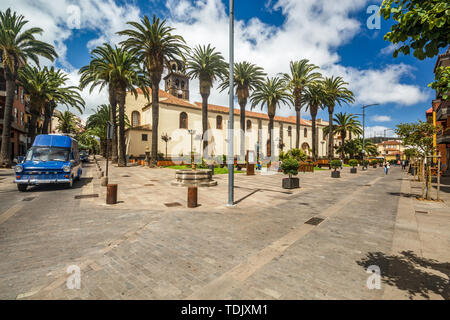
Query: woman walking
{"x":386,"y":167}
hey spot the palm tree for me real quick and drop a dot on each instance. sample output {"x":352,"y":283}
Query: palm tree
{"x":247,"y":77}
{"x":271,"y":93}
{"x":44,"y":87}
{"x":345,"y":123}
{"x":316,"y":97}
{"x":97,"y":123}
{"x":165,"y":137}
{"x":17,"y":45}
{"x":337,"y":93}
{"x":66,"y":122}
{"x":207,"y":65}
{"x":98,"y":73}
{"x":155,"y":45}
{"x":300,"y":77}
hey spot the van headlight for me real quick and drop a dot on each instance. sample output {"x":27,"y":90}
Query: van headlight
{"x":66,"y":168}
{"x":18,"y":169}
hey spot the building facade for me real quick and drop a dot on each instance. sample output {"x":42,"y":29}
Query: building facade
{"x":391,"y":150}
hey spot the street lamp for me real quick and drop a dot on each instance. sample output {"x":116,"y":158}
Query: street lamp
{"x":230,"y":162}
{"x":364,"y":125}
{"x":192,"y":132}
{"x":322,"y":142}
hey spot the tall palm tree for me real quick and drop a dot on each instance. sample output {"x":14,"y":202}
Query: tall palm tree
{"x":66,"y":122}
{"x":247,"y":77}
{"x":271,"y":93}
{"x":43,"y":87}
{"x":302,"y":74}
{"x":155,"y":45}
{"x":98,"y":73}
{"x":315,"y":96}
{"x":337,"y":94}
{"x":17,"y":45}
{"x":206,"y":64}
{"x":344,"y":123}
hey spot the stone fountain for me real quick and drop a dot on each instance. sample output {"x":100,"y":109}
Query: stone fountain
{"x":194,"y":178}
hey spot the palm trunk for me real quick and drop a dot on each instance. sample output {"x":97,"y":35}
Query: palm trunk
{"x":330,"y":135}
{"x":47,"y":119}
{"x":242,"y":104}
{"x":313,"y":111}
{"x":113,"y":155}
{"x":205,"y":123}
{"x":121,"y":94}
{"x":343,"y":135}
{"x":155,"y":119}
{"x":297,"y":127}
{"x":5,"y":151}
{"x":270,"y":146}
{"x":32,"y":127}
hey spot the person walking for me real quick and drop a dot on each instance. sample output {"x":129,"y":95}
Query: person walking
{"x":386,"y":167}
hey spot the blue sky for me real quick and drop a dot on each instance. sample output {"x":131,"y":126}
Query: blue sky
{"x":270,"y":33}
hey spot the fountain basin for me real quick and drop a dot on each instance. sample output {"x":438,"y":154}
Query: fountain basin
{"x":197,"y":178}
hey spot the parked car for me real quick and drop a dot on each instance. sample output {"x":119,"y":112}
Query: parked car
{"x":53,"y":159}
{"x":84,"y":156}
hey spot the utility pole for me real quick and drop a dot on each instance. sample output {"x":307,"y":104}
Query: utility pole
{"x":230,"y":161}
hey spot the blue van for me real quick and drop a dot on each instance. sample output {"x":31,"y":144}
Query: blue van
{"x":52,"y":159}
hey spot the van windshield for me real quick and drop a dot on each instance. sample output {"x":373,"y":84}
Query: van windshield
{"x":47,"y":154}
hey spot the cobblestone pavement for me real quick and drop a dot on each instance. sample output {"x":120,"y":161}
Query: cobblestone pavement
{"x":259,"y":249}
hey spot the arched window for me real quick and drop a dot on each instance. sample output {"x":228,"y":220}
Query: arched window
{"x":183,"y":120}
{"x":289,"y":131}
{"x":305,"y":133}
{"x":249,"y":124}
{"x":135,"y":118}
{"x":177,"y":83}
{"x":305,"y":147}
{"x":219,"y":122}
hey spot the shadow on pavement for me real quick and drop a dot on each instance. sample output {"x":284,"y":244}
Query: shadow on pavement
{"x":408,"y":272}
{"x":53,"y":187}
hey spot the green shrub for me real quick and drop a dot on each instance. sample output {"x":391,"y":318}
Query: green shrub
{"x":365,"y":163}
{"x":353,"y":162}
{"x":298,"y":154}
{"x":335,"y":164}
{"x":290,"y":167}
{"x":380,"y":161}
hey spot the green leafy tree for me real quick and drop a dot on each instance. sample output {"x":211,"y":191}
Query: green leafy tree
{"x":247,"y":77}
{"x":442,"y":82}
{"x":301,"y":75}
{"x":316,"y":97}
{"x":155,"y":45}
{"x":290,"y":167}
{"x":17,"y":46}
{"x":337,"y":93}
{"x":207,"y":65}
{"x":271,"y":93}
{"x":421,"y":26}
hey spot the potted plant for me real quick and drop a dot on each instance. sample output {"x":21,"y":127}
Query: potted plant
{"x":374,"y":163}
{"x":290,"y":167}
{"x":380,"y":162}
{"x":364,"y":164}
{"x":335,"y":164}
{"x":353,"y":163}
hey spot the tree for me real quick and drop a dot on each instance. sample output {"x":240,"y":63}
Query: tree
{"x":66,"y":122}
{"x":442,"y":82}
{"x":247,"y":77}
{"x":86,"y":140}
{"x":207,"y":65}
{"x":155,"y":45}
{"x":316,"y":97}
{"x":45,"y":86}
{"x":165,"y":137}
{"x":271,"y":93}
{"x":17,"y":46}
{"x":353,"y":148}
{"x":346,"y":123}
{"x":422,"y":25}
{"x":302,"y":74}
{"x":337,"y":94}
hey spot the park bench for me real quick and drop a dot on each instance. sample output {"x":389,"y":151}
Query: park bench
{"x":306,"y":167}
{"x":323,"y":163}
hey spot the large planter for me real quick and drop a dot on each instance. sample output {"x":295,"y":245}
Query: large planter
{"x":353,"y":170}
{"x":364,"y":168}
{"x":335,"y":174}
{"x":291,"y":183}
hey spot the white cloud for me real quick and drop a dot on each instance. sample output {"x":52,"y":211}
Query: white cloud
{"x":378,"y":131}
{"x":381,"y":118}
{"x":389,"y":50}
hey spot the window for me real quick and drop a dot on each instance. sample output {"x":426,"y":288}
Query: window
{"x":182,"y":84}
{"x":144,"y":137}
{"x":16,"y":93}
{"x":22,"y":96}
{"x":305,"y":133}
{"x":289,"y":131}
{"x":22,"y":118}
{"x":135,"y":118}
{"x":16,"y":115}
{"x":219,"y":122}
{"x":183,"y":120}
{"x":249,"y":124}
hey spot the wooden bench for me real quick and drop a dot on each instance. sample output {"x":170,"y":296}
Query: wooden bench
{"x":306,"y":167}
{"x":323,"y":163}
{"x":166,"y":163}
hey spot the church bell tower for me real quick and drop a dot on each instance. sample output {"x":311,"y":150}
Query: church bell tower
{"x":176,"y":82}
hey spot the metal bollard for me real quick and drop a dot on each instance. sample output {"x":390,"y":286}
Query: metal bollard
{"x":111,"y":194}
{"x":192,"y":197}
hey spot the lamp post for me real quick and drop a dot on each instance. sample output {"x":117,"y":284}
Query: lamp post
{"x":192,"y":132}
{"x":364,"y":125}
{"x":230,"y":162}
{"x":322,"y":142}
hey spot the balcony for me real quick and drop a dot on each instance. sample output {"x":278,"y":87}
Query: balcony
{"x":443,"y":136}
{"x":443,"y":111}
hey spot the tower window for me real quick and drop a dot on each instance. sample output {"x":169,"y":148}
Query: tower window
{"x":289,"y":131}
{"x":135,"y":118}
{"x":305,"y":133}
{"x":219,"y":122}
{"x":183,"y":120}
{"x":249,"y":124}
{"x":177,"y":83}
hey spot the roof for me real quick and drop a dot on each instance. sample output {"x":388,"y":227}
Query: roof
{"x":52,"y":140}
{"x":390,"y":142}
{"x":167,"y":98}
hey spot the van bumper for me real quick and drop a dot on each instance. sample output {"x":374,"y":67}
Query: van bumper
{"x":41,"y":181}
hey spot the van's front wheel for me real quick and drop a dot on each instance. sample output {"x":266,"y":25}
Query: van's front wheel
{"x":22,"y":187}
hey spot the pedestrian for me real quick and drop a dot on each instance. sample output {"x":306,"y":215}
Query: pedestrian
{"x":342,"y":164}
{"x":386,"y":167}
{"x":403,"y":165}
